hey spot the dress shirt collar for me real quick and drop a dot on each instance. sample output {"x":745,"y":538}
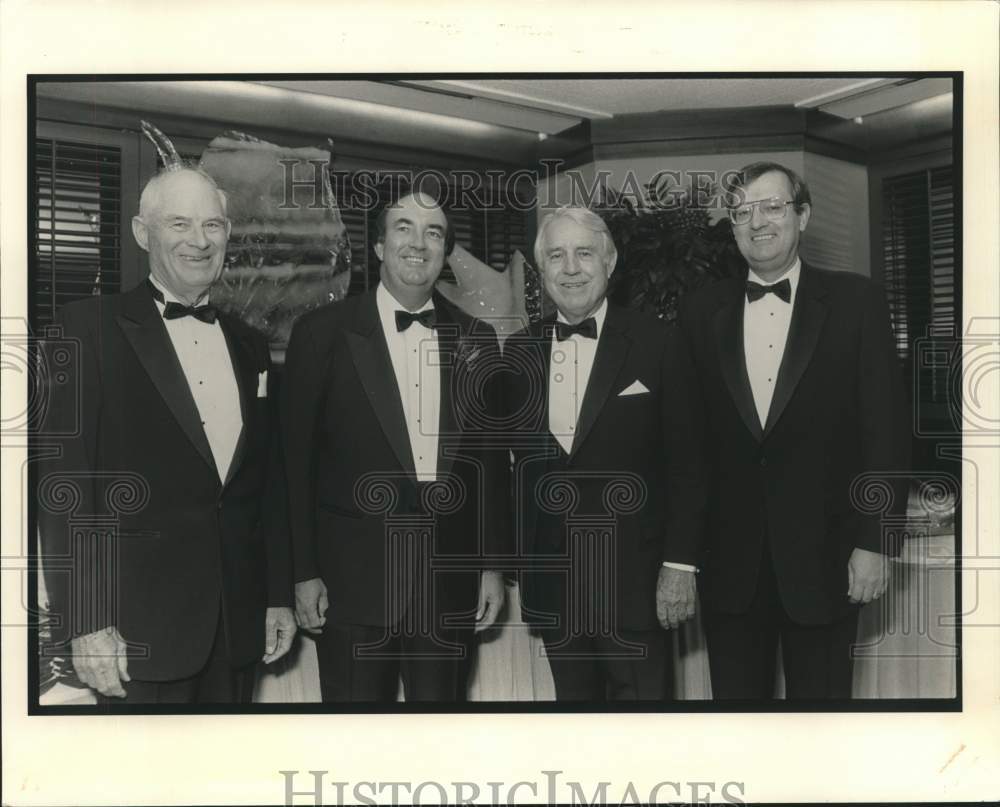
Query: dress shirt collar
{"x":599,"y":316}
{"x":388,"y":305}
{"x":170,"y":297}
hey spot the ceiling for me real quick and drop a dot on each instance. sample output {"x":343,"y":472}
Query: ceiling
{"x":550,"y":106}
{"x":508,"y":119}
{"x":604,"y":97}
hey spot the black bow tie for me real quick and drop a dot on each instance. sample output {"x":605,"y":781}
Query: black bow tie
{"x":205,"y":313}
{"x":404,"y":319}
{"x":587,"y":328}
{"x":782,"y":290}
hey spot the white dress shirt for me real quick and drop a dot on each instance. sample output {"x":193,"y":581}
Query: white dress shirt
{"x":765,"y":331}
{"x":569,"y":371}
{"x":572,"y":361}
{"x":204,"y":357}
{"x":416,"y":363}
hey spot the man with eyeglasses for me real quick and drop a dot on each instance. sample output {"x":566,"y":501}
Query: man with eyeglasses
{"x":791,"y":391}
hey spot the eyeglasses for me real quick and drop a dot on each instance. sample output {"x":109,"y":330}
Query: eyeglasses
{"x":774,"y":209}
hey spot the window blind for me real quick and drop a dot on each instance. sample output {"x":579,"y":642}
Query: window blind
{"x":77,"y":238}
{"x":918,"y":246}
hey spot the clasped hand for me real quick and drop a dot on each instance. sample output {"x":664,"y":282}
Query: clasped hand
{"x":867,"y":575}
{"x":100,"y":661}
{"x":675,"y":597}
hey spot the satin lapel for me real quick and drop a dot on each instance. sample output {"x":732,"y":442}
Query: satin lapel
{"x":143,"y":327}
{"x":241,"y":354}
{"x":612,"y":348}
{"x":728,"y":325}
{"x":808,"y":317}
{"x":540,"y":336}
{"x":371,"y":359}
{"x":448,"y":340}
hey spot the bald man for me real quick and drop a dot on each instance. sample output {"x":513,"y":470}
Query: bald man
{"x":192,"y":586}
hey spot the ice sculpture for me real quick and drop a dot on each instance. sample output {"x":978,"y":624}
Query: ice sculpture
{"x":481,"y":291}
{"x":288,"y":251}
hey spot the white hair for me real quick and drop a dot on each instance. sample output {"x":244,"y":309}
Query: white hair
{"x":150,"y":198}
{"x":585,"y":218}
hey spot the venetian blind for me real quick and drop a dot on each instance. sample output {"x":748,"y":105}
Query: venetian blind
{"x":918,"y":246}
{"x":77,"y":238}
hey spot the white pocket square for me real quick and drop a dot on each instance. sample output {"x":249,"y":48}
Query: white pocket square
{"x":262,"y":384}
{"x":635,"y":388}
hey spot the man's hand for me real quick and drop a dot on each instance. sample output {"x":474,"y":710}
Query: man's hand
{"x":491,"y":597}
{"x":279,"y":625}
{"x":311,"y":604}
{"x":675,"y":597}
{"x":100,"y":662}
{"x":867,"y":575}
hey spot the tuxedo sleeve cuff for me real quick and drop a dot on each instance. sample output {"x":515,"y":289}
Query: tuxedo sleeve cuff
{"x":307,"y":571}
{"x":684,"y":567}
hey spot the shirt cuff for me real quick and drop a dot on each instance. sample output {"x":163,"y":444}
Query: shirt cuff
{"x":684,"y":567}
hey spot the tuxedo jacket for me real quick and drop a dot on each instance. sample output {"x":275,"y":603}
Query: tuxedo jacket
{"x":137,"y":528}
{"x":838,"y":411}
{"x":360,"y":521}
{"x":616,"y":472}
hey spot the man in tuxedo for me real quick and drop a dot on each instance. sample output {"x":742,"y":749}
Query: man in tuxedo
{"x":397,"y":499}
{"x":792,"y":392}
{"x":587,"y":407}
{"x":192,"y":585}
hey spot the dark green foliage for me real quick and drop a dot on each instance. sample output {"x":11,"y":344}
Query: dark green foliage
{"x":667,"y":246}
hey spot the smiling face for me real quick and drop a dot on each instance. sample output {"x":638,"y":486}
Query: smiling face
{"x":183,"y":227}
{"x":771,"y":247}
{"x":575,"y":268}
{"x":413,"y":250}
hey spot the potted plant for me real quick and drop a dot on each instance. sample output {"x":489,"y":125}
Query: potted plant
{"x":667,"y":245}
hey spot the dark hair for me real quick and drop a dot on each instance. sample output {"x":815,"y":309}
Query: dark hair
{"x":734,"y":184}
{"x":449,"y":235}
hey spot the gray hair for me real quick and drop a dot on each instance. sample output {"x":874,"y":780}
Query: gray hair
{"x":151,"y":192}
{"x":585,"y":218}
